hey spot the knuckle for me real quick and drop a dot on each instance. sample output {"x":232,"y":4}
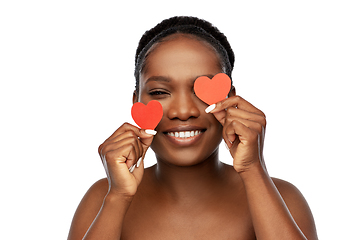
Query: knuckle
{"x":105,"y":150}
{"x":230,"y":111}
{"x":108,"y":156}
{"x":113,"y":155}
{"x":100,"y":148}
{"x":263,"y":122}
{"x":125,"y":127}
{"x":238,"y":98}
{"x":261,"y":113}
{"x":131,"y":134}
{"x":131,"y":139}
{"x":234,"y":124}
{"x":125,"y":124}
{"x":258,"y":127}
{"x":220,"y":104}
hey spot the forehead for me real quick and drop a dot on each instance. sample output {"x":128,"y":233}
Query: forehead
{"x":181,"y":57}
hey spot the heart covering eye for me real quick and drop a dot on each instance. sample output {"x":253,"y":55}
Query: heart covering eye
{"x":147,"y":116}
{"x":212,"y":90}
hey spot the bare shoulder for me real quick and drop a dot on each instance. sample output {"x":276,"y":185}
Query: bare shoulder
{"x":286,"y":189}
{"x":99,"y":188}
{"x":297,"y":206}
{"x":291,"y":194}
{"x":88,"y":209}
{"x":96,"y":193}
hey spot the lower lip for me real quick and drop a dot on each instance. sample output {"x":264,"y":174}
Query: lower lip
{"x":184,"y":141}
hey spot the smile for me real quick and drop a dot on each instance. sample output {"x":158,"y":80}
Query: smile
{"x":184,"y":134}
{"x":184,"y":137}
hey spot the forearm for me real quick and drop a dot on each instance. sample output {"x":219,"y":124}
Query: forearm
{"x":270,"y":215}
{"x":108,"y":223}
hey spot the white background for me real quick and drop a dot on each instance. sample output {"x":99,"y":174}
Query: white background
{"x":66,"y":70}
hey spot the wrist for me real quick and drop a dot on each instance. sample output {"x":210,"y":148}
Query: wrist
{"x":255,"y":170}
{"x":112,"y":197}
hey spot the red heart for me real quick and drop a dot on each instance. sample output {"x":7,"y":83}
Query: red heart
{"x":147,"y":116}
{"x":212,"y":90}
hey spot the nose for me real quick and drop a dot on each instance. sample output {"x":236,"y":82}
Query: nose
{"x":183,"y":107}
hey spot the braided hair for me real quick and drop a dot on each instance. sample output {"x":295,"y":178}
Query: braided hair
{"x":186,"y":25}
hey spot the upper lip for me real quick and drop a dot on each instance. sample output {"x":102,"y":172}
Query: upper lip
{"x":184,"y":128}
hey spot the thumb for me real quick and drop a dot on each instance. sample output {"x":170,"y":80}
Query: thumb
{"x":146,"y":137}
{"x":219,"y":114}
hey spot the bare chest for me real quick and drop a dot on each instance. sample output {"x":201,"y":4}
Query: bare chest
{"x":217,"y":221}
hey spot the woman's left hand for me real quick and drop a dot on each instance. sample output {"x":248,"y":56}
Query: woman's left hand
{"x":243,"y":131}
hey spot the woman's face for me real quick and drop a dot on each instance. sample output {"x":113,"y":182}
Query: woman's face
{"x":186,"y":135}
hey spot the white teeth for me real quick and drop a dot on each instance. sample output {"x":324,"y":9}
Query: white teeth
{"x":185,"y":134}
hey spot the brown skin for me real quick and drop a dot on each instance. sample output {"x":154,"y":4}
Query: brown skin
{"x":189,"y":193}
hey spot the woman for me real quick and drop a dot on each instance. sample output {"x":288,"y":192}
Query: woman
{"x":189,"y":193}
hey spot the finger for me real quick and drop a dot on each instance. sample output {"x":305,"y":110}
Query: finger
{"x":236,"y":113}
{"x":139,"y":163}
{"x":141,"y":133}
{"x":123,"y":128}
{"x":118,"y":147}
{"x":125,"y":154}
{"x":146,"y":137}
{"x":126,"y":135}
{"x":117,"y":142}
{"x":127,"y":130}
{"x":220,"y":116}
{"x":233,"y":128}
{"x":141,"y":144}
{"x":138,"y":172}
{"x":117,"y":163}
{"x":236,"y":102}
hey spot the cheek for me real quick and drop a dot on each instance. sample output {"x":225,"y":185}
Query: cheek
{"x":216,"y":130}
{"x":219,"y":130}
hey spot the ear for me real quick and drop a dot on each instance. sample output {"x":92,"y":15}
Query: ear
{"x":135,"y":97}
{"x":232,"y":92}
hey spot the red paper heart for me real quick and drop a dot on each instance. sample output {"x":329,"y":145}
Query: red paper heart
{"x":147,"y":116}
{"x":212,"y":90}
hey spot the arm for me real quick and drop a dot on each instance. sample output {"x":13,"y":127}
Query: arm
{"x":244,"y":132}
{"x":278,"y":209}
{"x":108,"y":222}
{"x":101,"y":212}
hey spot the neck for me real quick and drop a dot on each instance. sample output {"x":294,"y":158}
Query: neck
{"x":192,"y":182}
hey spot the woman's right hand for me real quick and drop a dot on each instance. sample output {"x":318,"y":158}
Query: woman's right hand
{"x":125,"y":148}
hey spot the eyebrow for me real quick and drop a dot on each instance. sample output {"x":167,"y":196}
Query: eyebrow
{"x":166,"y":79}
{"x":157,"y":79}
{"x":205,"y":75}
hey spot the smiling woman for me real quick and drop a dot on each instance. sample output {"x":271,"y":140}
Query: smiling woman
{"x":180,"y":60}
{"x":189,"y":193}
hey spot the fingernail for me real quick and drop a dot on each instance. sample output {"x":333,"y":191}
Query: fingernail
{"x":131,"y":169}
{"x":210,"y":108}
{"x":150,"y":131}
{"x":139,"y":162}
